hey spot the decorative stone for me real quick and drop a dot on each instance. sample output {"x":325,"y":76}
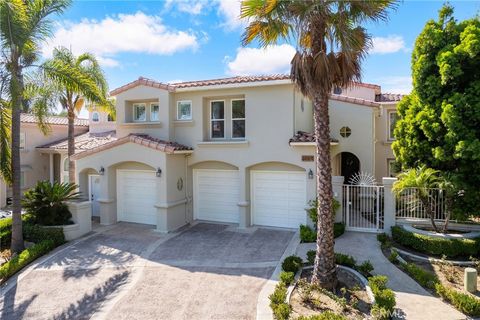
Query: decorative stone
{"x":470,"y":280}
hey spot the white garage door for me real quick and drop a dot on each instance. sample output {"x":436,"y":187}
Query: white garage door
{"x":278,"y":198}
{"x":137,"y":196}
{"x":216,"y":194}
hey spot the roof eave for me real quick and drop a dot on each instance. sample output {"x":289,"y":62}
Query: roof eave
{"x":262,"y":83}
{"x":310,"y":144}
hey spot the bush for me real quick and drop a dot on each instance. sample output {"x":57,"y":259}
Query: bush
{"x":365,"y":268}
{"x":393,"y":257}
{"x":327,"y":315}
{"x":292,"y":264}
{"x":46,"y":202}
{"x":25,"y":257}
{"x":287,"y":277}
{"x":6,"y":230}
{"x":311,"y":256}
{"x":281,"y":310}
{"x":380,"y":313}
{"x":312,"y":212}
{"x":423,"y":277}
{"x":384,"y":297}
{"x":436,"y":246}
{"x":338,"y":229}
{"x":465,"y":303}
{"x":382,"y":237}
{"x":307,"y":234}
{"x":5,"y":238}
{"x":36,"y":233}
{"x":345,"y":260}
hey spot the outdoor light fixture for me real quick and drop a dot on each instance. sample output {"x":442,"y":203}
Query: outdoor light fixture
{"x":159,"y":172}
{"x":101,"y":171}
{"x":310,"y":174}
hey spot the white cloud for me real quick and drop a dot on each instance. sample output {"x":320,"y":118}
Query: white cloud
{"x":135,"y":33}
{"x":251,"y":61}
{"x":229,"y":10}
{"x":390,"y":44}
{"x":193,"y":7}
{"x":395,"y":84}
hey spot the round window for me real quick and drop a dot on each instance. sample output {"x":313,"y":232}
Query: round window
{"x":337,"y":90}
{"x":345,"y":132}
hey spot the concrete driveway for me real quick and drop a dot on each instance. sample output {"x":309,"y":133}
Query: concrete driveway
{"x":128,"y":271}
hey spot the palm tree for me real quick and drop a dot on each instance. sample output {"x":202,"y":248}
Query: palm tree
{"x":24,"y":24}
{"x":421,"y":180}
{"x":72,"y":98}
{"x":331,"y":44}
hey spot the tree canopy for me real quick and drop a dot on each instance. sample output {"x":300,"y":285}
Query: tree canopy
{"x":439,"y":123}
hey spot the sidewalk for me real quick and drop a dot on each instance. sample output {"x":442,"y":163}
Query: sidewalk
{"x":413,"y":302}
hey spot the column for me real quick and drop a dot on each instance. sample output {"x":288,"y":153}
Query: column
{"x":51,"y":167}
{"x":389,"y":209}
{"x":243,"y":203}
{"x":337,"y":188}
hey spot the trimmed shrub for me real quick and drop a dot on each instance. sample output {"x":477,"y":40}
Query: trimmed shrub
{"x":423,"y":277}
{"x":36,"y":233}
{"x":345,"y":260}
{"x":384,"y":297}
{"x":287,"y":277}
{"x":365,"y":268}
{"x":5,"y":224}
{"x":292,"y":264}
{"x":311,"y":256}
{"x":5,"y":238}
{"x":281,"y":309}
{"x":382,"y":237}
{"x":393,"y":257}
{"x":465,"y":303}
{"x":25,"y":257}
{"x":327,"y":315}
{"x":307,"y":234}
{"x":338,"y":229}
{"x":451,"y":248}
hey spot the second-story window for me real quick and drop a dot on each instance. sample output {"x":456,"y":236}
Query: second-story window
{"x":184,"y":110}
{"x":22,"y":141}
{"x":238,"y":119}
{"x":392,"y":120}
{"x":217,"y":119}
{"x":95,"y":117}
{"x":139,"y":112}
{"x":154,"y":112}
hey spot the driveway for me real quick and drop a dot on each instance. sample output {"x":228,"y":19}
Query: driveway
{"x":128,"y":271}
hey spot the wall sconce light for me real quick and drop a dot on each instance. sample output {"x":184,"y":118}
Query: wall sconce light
{"x":101,"y":171}
{"x":159,"y":173}
{"x":310,"y":174}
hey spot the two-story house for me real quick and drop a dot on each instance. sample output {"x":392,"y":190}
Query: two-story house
{"x":234,"y":150}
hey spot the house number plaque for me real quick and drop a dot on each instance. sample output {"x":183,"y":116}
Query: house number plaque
{"x":308,"y":158}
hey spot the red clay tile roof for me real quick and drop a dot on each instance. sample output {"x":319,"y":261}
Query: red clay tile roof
{"x":388,"y":97}
{"x":306,"y":137}
{"x":83,"y":142}
{"x":142,"y":139}
{"x":354,"y":100}
{"x":55,"y":120}
{"x":212,"y":82}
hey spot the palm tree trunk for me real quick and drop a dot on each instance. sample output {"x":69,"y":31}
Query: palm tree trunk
{"x":17,"y":244}
{"x":430,"y":212}
{"x":71,"y":144}
{"x":324,"y":272}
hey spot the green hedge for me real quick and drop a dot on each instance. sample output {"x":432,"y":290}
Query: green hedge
{"x":384,"y":297}
{"x":464,"y":302}
{"x":25,"y":257}
{"x":327,"y":315}
{"x":307,"y":234}
{"x":36,"y":233}
{"x":451,"y":248}
{"x":278,"y":302}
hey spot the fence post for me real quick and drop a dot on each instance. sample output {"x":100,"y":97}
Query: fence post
{"x":337,"y":188}
{"x":389,"y":204}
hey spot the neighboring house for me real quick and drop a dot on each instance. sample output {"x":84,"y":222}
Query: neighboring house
{"x":235,"y":150}
{"x":35,"y":164}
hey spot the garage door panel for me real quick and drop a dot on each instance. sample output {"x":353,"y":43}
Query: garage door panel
{"x":278,"y":198}
{"x":137,"y":196}
{"x":216,"y":194}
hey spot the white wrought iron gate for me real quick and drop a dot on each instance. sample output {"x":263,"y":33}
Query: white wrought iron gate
{"x":363,"y":208}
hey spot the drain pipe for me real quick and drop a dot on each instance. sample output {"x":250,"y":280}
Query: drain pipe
{"x":187,"y":198}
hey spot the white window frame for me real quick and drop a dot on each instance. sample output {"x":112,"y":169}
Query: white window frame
{"x":93,"y":116}
{"x":389,"y":122}
{"x":135,"y":105}
{"x":211,"y":120}
{"x":23,"y":136}
{"x":154,"y":104}
{"x":191,"y":110}
{"x":232,"y":119}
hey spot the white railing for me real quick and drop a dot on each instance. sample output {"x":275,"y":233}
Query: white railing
{"x":409,"y":206}
{"x":363,"y":207}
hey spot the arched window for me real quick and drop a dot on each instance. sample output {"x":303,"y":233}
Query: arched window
{"x":95,"y":117}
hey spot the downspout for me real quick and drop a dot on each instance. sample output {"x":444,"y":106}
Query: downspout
{"x":294,"y":118}
{"x":187,"y":203}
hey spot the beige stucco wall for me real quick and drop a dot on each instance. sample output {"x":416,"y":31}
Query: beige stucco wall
{"x":35,"y":164}
{"x":102,"y":125}
{"x":3,"y":193}
{"x":383,"y":148}
{"x":359,"y":92}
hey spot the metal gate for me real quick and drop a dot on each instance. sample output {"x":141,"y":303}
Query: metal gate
{"x":363,"y":208}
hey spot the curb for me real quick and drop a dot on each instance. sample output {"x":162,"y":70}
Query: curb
{"x":435,"y":260}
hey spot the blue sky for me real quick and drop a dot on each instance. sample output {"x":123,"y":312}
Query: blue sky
{"x":175,"y":40}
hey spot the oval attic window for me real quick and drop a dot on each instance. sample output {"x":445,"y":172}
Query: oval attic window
{"x":345,"y":132}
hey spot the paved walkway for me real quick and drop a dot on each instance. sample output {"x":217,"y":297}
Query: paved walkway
{"x":413,"y":302}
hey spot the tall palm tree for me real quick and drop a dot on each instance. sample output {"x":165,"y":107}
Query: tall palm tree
{"x":24,"y":24}
{"x":72,"y":98}
{"x":331,"y":44}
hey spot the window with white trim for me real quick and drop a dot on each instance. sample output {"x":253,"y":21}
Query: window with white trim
{"x":392,"y":120}
{"x":139,"y":112}
{"x":95,"y":117}
{"x":238,"y":119}
{"x":154,"y":112}
{"x":22,"y":141}
{"x":217,"y":119}
{"x":184,"y":110}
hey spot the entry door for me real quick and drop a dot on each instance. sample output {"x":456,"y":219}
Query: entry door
{"x":94,"y":189}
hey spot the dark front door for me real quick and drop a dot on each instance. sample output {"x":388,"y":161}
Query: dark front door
{"x":350,"y":166}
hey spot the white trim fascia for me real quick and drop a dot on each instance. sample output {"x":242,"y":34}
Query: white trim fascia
{"x":182,"y":152}
{"x":235,"y":85}
{"x":309,"y":144}
{"x":237,"y":142}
